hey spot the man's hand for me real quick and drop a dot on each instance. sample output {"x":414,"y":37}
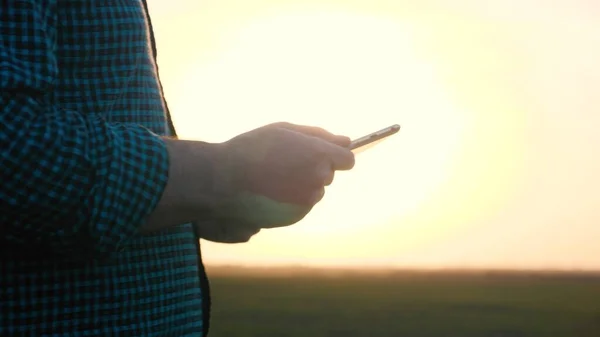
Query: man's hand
{"x":269,"y":177}
{"x":279,"y":172}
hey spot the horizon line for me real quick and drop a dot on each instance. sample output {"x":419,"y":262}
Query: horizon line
{"x":424,"y":269}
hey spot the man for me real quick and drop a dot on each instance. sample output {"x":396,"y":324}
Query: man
{"x":101,"y":208}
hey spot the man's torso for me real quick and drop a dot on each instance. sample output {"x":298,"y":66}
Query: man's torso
{"x":152,"y":287}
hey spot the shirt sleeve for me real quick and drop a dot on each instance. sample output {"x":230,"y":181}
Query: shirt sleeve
{"x":70,"y":183}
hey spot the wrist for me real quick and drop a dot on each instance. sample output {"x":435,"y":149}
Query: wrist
{"x":225,"y":182}
{"x":199,"y":175}
{"x":201,"y":181}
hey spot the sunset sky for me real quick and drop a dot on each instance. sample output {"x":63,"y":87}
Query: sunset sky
{"x":497,"y":164}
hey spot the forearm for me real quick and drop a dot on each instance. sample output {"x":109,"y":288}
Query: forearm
{"x":74,"y":183}
{"x":197,"y":184}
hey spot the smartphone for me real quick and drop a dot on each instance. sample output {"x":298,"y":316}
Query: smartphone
{"x":373,"y":138}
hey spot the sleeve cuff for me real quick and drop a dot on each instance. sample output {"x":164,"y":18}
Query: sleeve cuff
{"x":129,"y":184}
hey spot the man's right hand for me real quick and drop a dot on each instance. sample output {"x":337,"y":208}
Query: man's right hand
{"x":269,"y":177}
{"x":279,"y":172}
{"x":285,"y":162}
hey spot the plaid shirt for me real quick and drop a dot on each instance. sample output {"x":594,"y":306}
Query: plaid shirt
{"x":81,"y":166}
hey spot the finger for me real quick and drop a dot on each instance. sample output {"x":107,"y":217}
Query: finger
{"x":226,"y":230}
{"x":325,"y":173}
{"x":297,"y":189}
{"x":314,"y":174}
{"x":318,"y":196}
{"x":236,"y":233}
{"x":307,"y":196}
{"x":242,"y":235}
{"x":341,"y":158}
{"x":269,"y":213}
{"x":317,"y":132}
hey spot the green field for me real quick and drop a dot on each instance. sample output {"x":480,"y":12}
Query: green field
{"x":416,"y":304}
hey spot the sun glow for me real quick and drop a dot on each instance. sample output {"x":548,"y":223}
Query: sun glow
{"x":487,"y":98}
{"x":351,"y":74}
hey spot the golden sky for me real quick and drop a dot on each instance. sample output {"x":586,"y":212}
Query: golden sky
{"x":497,"y":163}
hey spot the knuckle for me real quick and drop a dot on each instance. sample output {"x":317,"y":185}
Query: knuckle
{"x":280,"y":124}
{"x":324,"y":170}
{"x":321,"y":131}
{"x":320,"y":194}
{"x":330,"y":179}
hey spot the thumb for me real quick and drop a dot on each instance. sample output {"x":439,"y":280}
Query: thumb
{"x":314,"y":131}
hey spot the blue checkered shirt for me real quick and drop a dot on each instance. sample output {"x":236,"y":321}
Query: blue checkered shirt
{"x":81,"y":166}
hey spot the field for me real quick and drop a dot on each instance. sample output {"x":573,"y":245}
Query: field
{"x":294,"y":303}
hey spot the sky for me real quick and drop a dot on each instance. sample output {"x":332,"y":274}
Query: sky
{"x":497,"y":162}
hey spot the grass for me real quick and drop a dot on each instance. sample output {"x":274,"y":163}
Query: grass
{"x":313,"y":303}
